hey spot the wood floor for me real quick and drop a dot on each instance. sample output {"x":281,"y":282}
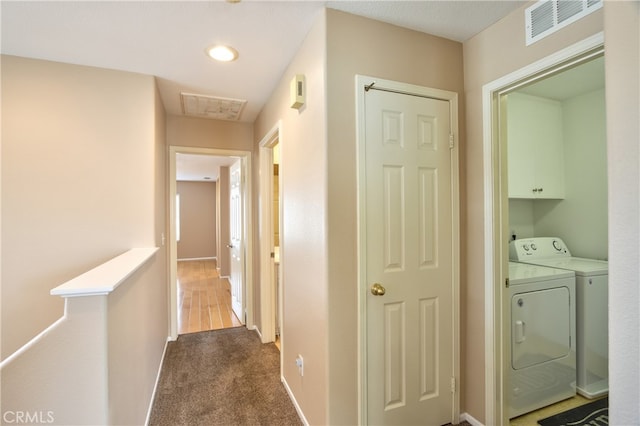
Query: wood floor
{"x":532,"y":418}
{"x":204,"y":299}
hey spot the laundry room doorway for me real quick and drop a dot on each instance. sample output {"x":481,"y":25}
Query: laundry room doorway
{"x":511,"y":214}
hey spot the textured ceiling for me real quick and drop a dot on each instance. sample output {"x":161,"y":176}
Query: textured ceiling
{"x":168,"y":38}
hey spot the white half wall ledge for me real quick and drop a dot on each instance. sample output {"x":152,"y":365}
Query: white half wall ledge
{"x":105,"y":278}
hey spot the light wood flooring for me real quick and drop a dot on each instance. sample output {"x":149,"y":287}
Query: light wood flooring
{"x":532,"y":418}
{"x":204,"y":299}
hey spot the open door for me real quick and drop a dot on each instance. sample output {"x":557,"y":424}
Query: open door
{"x":236,"y":244}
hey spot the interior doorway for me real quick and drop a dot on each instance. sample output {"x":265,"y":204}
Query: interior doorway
{"x":498,"y":230}
{"x":271,"y":249}
{"x":244,"y":228}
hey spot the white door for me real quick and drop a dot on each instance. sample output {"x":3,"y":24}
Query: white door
{"x":236,"y":244}
{"x":409,"y":233}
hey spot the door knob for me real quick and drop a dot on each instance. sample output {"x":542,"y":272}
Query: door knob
{"x":378,"y":290}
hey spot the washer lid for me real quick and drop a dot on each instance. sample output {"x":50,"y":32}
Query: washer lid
{"x":581,"y":266}
{"x":524,"y":273}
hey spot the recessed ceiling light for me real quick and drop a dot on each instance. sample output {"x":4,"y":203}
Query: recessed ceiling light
{"x":222,"y":53}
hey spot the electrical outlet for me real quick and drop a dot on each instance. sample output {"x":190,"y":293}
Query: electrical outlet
{"x":300,"y":364}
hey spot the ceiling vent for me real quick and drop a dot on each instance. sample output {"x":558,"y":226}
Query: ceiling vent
{"x":211,"y":107}
{"x":548,"y":16}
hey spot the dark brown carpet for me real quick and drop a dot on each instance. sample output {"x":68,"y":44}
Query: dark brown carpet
{"x":222,"y":377}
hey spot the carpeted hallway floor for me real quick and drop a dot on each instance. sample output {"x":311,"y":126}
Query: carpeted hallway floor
{"x":222,"y":377}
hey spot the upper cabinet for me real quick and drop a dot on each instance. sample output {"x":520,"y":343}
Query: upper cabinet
{"x":535,"y":147}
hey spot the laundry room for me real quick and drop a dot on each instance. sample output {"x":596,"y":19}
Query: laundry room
{"x":557,"y":188}
{"x":563,"y":170}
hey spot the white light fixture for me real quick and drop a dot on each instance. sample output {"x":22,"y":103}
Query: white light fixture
{"x":222,"y":53}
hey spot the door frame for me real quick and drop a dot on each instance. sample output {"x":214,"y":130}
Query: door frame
{"x":247,"y":269}
{"x":267,"y":286}
{"x":496,"y":216}
{"x":409,"y":89}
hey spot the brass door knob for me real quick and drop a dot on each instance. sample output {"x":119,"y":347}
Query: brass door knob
{"x":378,"y":290}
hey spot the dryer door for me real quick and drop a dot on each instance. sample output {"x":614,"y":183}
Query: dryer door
{"x":540,"y":326}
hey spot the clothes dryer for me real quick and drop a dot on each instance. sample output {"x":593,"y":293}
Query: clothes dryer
{"x":592,"y":276}
{"x":542,"y":337}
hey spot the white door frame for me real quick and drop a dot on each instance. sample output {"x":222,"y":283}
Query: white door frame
{"x":363,"y":287}
{"x":247,"y":279}
{"x":268,"y":288}
{"x":495,"y":198}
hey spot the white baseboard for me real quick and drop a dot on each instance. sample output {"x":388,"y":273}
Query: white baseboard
{"x":155,"y":385}
{"x":469,"y":418}
{"x":255,"y":328}
{"x":293,"y":400}
{"x":186,"y":259}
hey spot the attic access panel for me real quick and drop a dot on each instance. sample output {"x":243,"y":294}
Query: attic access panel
{"x":212,"y":107}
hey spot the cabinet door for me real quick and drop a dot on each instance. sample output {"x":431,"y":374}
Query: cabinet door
{"x":549,"y":150}
{"x":535,"y":148}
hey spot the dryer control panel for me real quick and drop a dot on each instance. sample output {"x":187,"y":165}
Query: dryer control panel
{"x":537,"y":248}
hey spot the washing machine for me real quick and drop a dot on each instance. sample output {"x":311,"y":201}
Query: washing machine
{"x":542,"y":337}
{"x":592,"y":277}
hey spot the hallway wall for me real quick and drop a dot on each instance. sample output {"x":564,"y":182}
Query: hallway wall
{"x":303,"y":236}
{"x":354,"y":46}
{"x":198,"y":206}
{"x":319,"y":236}
{"x":83,"y":180}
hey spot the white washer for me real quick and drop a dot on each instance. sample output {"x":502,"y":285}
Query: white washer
{"x":543,"y":353}
{"x":592,"y":278}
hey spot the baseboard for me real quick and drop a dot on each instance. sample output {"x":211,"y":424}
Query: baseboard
{"x":255,"y":328}
{"x":186,"y":259}
{"x":469,"y":418}
{"x":155,"y":385}
{"x":293,"y":400}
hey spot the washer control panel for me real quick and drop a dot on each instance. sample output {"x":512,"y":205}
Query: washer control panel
{"x":537,"y":248}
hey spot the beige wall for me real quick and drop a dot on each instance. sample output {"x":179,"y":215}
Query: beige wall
{"x":361,"y":46}
{"x":494,"y":53}
{"x":83,"y":180}
{"x":136,"y":333}
{"x":622,"y":68}
{"x":303,"y":236}
{"x":206,"y":133}
{"x":318,"y":175}
{"x":197,"y":220}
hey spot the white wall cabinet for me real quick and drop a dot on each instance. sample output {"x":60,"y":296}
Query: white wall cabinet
{"x":535,"y":147}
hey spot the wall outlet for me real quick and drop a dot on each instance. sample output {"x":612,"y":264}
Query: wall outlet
{"x":300,"y":364}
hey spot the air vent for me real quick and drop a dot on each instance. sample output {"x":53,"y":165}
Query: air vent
{"x":212,"y":107}
{"x":548,"y":16}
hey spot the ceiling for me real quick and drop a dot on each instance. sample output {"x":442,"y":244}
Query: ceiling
{"x":576,"y":81}
{"x":167,"y":39}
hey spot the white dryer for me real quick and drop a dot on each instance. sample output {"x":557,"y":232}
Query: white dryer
{"x":542,"y":337}
{"x":592,"y":278}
